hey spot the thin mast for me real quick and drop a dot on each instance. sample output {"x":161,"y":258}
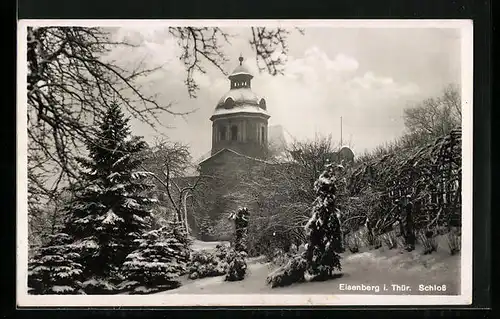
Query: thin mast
{"x":341,"y":132}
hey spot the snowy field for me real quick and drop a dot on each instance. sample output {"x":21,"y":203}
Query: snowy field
{"x":370,"y":268}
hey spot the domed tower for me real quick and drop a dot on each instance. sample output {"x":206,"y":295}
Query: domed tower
{"x":240,"y":119}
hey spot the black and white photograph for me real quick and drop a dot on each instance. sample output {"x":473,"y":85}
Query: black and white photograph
{"x":244,"y":162}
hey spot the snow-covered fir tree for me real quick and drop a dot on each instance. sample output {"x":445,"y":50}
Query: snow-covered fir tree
{"x":320,"y":258}
{"x":236,"y":258}
{"x":240,"y":218}
{"x":323,"y":228}
{"x":55,"y":270}
{"x":111,"y":208}
{"x":160,"y":259}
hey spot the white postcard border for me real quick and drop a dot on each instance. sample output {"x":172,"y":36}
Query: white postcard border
{"x":26,"y":300}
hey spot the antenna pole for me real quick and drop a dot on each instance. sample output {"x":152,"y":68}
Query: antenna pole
{"x":341,"y":131}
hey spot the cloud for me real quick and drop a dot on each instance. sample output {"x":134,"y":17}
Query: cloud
{"x":316,"y":89}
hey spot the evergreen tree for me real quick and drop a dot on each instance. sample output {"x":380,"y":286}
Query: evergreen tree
{"x":55,"y":270}
{"x":324,"y":236}
{"x":241,"y":228}
{"x":323,"y":228}
{"x":160,"y":259}
{"x":111,"y":208}
{"x":237,"y":265}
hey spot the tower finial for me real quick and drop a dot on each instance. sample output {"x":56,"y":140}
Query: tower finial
{"x":241,"y":59}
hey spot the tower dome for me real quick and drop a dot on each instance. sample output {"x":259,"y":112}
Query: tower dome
{"x":241,"y":70}
{"x":240,"y":97}
{"x":239,"y":121}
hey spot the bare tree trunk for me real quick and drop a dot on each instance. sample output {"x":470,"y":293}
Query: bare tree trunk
{"x":186,"y":196}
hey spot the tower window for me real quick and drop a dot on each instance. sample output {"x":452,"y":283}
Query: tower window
{"x":222,"y":133}
{"x":229,"y":103}
{"x":262,"y":134}
{"x":234,"y":133}
{"x":262,"y":104}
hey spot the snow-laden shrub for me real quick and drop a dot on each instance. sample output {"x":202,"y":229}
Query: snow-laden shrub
{"x":390,"y":240}
{"x":429,"y":242}
{"x":291,"y":272}
{"x":55,"y":269}
{"x":207,"y":263}
{"x":280,"y":258}
{"x":369,"y":239}
{"x":236,"y":266}
{"x":454,"y":242}
{"x":99,"y":286}
{"x":158,"y":263}
{"x":353,"y":244}
{"x":376,"y":242}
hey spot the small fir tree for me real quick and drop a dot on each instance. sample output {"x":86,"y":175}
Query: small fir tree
{"x":54,"y":270}
{"x":324,"y":236}
{"x":323,"y":228}
{"x":241,"y":228}
{"x":158,"y":262}
{"x":111,"y":208}
{"x":236,"y":259}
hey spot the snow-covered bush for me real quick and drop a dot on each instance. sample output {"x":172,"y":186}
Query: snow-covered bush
{"x":279,"y":257}
{"x":100,"y":286}
{"x":55,"y":270}
{"x":221,"y":251}
{"x":208,"y":263}
{"x":390,"y":240}
{"x":454,"y":242}
{"x":158,"y":263}
{"x":372,"y":241}
{"x":291,"y":272}
{"x":353,"y":244}
{"x":429,"y":242}
{"x":236,"y":266}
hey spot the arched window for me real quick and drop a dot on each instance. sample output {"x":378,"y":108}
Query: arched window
{"x":262,"y":104}
{"x":234,"y":133}
{"x":228,"y":103}
{"x":222,"y":133}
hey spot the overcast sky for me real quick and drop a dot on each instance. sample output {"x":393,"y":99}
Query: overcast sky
{"x":367,"y":76}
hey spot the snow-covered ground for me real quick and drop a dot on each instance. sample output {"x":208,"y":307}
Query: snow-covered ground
{"x":206,"y":245}
{"x":369,"y":268}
